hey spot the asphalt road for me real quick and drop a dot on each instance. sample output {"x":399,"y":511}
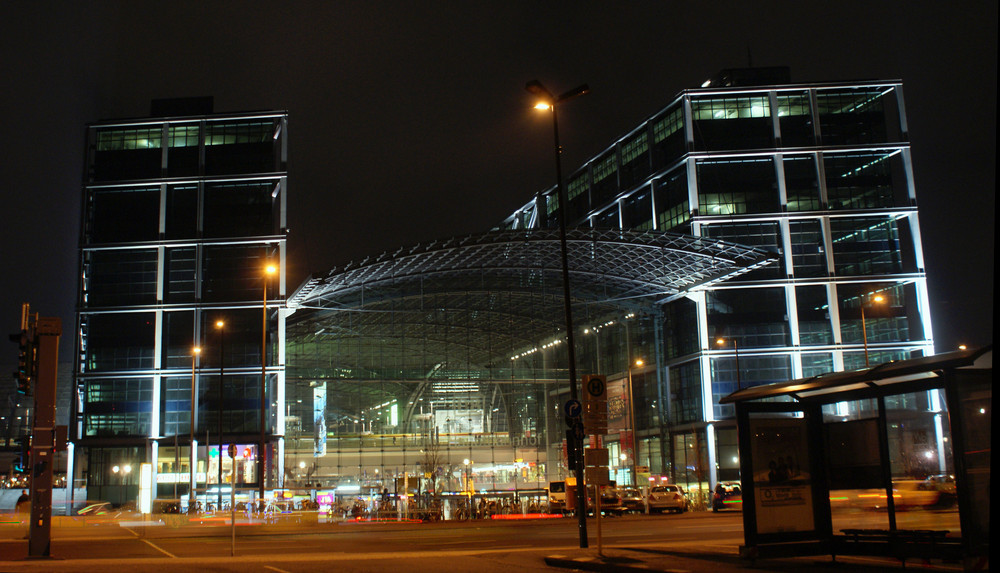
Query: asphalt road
{"x":481,"y":546}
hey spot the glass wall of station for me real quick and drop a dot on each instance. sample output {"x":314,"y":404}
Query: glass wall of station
{"x":460,"y":392}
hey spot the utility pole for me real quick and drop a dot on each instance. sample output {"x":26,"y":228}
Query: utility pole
{"x":39,"y":338}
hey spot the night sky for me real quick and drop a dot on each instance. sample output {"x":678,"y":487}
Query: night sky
{"x":409,"y":121}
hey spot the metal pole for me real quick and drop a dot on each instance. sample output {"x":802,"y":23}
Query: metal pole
{"x":263,"y":397}
{"x":222,"y":360}
{"x":631,"y":408}
{"x":581,"y":492}
{"x":736,"y":351}
{"x":44,"y":333}
{"x":864,"y":333}
{"x":192,"y":454}
{"x":232,"y":505}
{"x":631,"y":420}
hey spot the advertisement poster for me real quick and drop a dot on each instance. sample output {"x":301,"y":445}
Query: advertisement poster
{"x":781,"y":479}
{"x":319,"y":419}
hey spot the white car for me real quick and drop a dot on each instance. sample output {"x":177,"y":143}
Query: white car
{"x":667,"y":497}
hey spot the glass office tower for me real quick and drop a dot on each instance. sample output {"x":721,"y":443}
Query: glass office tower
{"x":181,"y":215}
{"x":819,"y":174}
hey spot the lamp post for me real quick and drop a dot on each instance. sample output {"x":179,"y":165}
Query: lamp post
{"x":261,"y":463}
{"x":221,"y":326}
{"x":631,"y":421}
{"x":468,"y":486}
{"x":122,"y":472}
{"x":736,"y":352}
{"x":191,"y":426}
{"x":548,"y":101}
{"x":864,"y":328}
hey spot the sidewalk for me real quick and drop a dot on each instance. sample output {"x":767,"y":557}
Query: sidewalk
{"x":723,"y":559}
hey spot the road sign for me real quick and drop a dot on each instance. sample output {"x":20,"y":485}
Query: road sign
{"x":573,"y":408}
{"x":578,"y":431}
{"x":596,"y":476}
{"x":232,"y":450}
{"x":595,"y":405}
{"x":596,"y":457}
{"x":597,"y":386}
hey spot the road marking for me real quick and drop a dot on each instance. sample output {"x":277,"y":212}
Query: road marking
{"x":465,"y":542}
{"x":276,"y":569}
{"x":160,"y":549}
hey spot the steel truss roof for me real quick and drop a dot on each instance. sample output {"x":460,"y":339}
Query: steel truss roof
{"x":604,"y":265}
{"x":478,"y":299}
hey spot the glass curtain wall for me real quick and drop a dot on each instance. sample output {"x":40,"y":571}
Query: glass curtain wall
{"x":452,"y":387}
{"x":179,"y":219}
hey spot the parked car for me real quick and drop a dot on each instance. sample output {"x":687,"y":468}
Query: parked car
{"x":611,"y":501}
{"x":667,"y":497}
{"x":728,"y":495}
{"x":632,"y":499}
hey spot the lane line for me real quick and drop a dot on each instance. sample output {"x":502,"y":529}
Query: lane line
{"x":276,"y":569}
{"x":160,"y":549}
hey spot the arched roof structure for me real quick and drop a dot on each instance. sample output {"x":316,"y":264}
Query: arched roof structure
{"x":505,"y":285}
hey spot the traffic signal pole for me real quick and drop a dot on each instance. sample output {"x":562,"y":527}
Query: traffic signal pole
{"x":46,"y":332}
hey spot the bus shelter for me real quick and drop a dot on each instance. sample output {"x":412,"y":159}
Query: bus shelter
{"x":892,"y":460}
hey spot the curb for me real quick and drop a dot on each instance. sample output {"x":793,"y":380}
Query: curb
{"x":605,"y":564}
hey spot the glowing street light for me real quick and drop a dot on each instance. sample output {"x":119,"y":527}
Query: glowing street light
{"x":736,"y":352}
{"x":877,"y":299}
{"x":549,"y":102}
{"x":269,"y":271}
{"x":220,"y":325}
{"x":631,"y":419}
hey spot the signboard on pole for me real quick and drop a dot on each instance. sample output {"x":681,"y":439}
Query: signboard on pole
{"x":595,"y":406}
{"x":596,"y":461}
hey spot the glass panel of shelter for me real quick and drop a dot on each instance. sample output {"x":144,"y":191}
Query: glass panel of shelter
{"x":920,"y":460}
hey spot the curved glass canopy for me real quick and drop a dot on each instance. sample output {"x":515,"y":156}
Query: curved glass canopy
{"x":461,"y":341}
{"x":504,"y":287}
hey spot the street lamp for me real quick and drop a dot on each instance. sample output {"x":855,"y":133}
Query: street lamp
{"x":736,"y":351}
{"x":877,"y":299}
{"x":193,"y":455}
{"x":468,"y":486}
{"x":268,"y":272}
{"x":631,"y":420}
{"x":548,"y":101}
{"x":221,"y":326}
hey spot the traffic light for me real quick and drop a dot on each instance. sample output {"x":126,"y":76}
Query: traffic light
{"x":25,"y":361}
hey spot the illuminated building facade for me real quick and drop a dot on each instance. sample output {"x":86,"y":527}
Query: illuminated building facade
{"x":445,"y":365}
{"x":181,"y":212}
{"x":818,"y":173}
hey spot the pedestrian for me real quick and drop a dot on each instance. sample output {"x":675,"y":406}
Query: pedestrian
{"x":23,"y":502}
